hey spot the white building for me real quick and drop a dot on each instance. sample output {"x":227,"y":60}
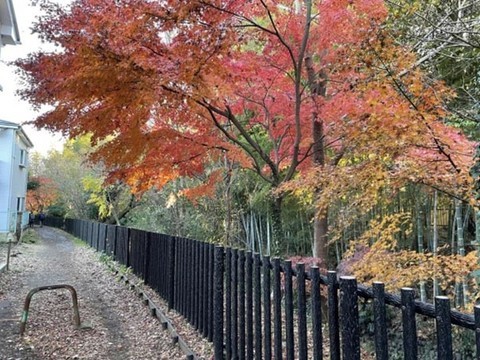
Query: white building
{"x":9,"y":34}
{"x":14,"y":147}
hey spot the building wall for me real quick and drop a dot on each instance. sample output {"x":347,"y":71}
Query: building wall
{"x":7,"y":141}
{"x":13,"y":180}
{"x":19,"y":175}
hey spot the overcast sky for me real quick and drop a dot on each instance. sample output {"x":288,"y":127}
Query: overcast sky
{"x":11,"y":107}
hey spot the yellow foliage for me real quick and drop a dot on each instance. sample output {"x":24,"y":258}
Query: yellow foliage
{"x":377,"y":258}
{"x":94,"y":186}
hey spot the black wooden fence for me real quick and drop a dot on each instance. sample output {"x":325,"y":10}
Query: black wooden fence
{"x":254,"y":307}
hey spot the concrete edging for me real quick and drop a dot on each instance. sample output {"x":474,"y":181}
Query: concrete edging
{"x":3,"y":267}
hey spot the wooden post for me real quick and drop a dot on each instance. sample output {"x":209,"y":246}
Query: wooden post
{"x":380,"y":321}
{"x":349,"y":318}
{"x":333,"y":323}
{"x":409,"y":324}
{"x":302,"y":312}
{"x":316,"y":313}
{"x":218,"y":275}
{"x":8,"y":253}
{"x":289,"y":328}
{"x":444,"y":328}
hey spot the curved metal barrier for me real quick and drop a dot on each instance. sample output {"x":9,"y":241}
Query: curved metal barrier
{"x":76,"y":314}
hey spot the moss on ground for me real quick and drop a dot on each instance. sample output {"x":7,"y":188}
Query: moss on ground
{"x":30,"y":236}
{"x":78,"y":242}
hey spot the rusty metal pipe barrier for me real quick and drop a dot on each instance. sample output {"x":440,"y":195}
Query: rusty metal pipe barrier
{"x":76,"y":314}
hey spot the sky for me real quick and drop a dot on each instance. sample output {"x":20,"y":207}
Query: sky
{"x":12,"y":108}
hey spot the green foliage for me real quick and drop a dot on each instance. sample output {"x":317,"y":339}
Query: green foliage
{"x":105,"y":259}
{"x":78,"y":242}
{"x":57,"y":210}
{"x":167,"y":211}
{"x":30,"y":236}
{"x":33,"y":184}
{"x":66,"y":169}
{"x":94,"y":186}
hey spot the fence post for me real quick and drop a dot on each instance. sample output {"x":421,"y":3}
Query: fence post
{"x":218,"y":302}
{"x":409,"y":324}
{"x":171,"y":272}
{"x":267,"y":309}
{"x":190,"y":282}
{"x":241,"y":303}
{"x":98,"y":238}
{"x":257,"y":300}
{"x":211,"y":254}
{"x":333,"y":326}
{"x":349,"y":318}
{"x":228,"y":302}
{"x":277,"y":310}
{"x":147,"y":256}
{"x":197,"y":258}
{"x":477,"y":329}
{"x":8,"y":253}
{"x":289,"y":329}
{"x":249,"y":303}
{"x":302,"y":313}
{"x":234,"y":337}
{"x":380,"y":321}
{"x":444,"y":328}
{"x":316,"y":313}
{"x":128,"y":264}
{"x":205,"y":300}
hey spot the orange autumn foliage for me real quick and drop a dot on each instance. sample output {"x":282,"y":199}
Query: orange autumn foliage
{"x":179,"y":83}
{"x":283,"y":88}
{"x":42,"y":194}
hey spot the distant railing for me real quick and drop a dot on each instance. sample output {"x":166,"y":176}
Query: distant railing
{"x":256,"y":307}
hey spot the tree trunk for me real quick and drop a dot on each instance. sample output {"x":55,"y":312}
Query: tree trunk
{"x":277,"y":228}
{"x":320,"y":248}
{"x":318,"y":87}
{"x":228,"y":203}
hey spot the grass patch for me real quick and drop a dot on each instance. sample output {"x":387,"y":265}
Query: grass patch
{"x":114,"y":265}
{"x":78,"y":242}
{"x":106,"y":259}
{"x":30,"y":236}
{"x":122,"y":269}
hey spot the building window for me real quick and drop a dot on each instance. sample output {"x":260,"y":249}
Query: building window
{"x":23,"y":158}
{"x":20,"y":204}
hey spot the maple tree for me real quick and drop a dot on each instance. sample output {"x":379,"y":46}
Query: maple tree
{"x":41,"y":193}
{"x":278,"y":87}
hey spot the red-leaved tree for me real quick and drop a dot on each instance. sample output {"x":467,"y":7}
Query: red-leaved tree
{"x":284,"y":88}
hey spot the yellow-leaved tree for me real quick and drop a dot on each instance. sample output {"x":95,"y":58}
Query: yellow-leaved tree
{"x":375,"y":256}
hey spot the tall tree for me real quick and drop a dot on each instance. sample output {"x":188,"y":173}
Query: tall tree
{"x":268,"y":84}
{"x":446,"y":36}
{"x":65,"y":169}
{"x":41,"y":193}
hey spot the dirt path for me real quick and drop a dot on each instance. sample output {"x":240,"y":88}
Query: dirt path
{"x":121,"y":327}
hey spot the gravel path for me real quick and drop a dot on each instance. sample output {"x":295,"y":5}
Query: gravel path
{"x":120,"y":325}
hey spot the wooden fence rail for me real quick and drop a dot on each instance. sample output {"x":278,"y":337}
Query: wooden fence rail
{"x":254,"y":307}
